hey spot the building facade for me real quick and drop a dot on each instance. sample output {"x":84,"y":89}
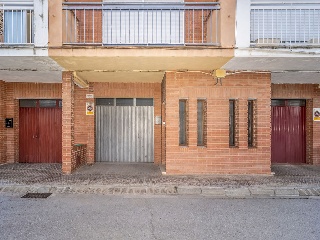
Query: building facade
{"x":214,"y":87}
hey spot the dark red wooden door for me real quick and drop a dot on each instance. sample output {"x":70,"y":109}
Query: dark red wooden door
{"x":288,"y":136}
{"x":28,"y":140}
{"x":40,"y":133}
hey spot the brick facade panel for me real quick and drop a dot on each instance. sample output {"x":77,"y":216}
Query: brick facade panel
{"x":217,"y":157}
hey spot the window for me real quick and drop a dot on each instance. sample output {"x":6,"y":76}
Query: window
{"x":183,"y":122}
{"x":47,"y":103}
{"x":232,"y":122}
{"x":18,"y":26}
{"x":201,"y":122}
{"x":138,"y":102}
{"x":124,"y":101}
{"x":144,"y":102}
{"x":28,"y":103}
{"x":142,"y":24}
{"x":251,"y":122}
{"x":42,"y":103}
{"x":105,"y":101}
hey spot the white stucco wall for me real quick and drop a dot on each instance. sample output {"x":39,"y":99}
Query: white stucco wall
{"x":41,"y":23}
{"x":243,"y":24}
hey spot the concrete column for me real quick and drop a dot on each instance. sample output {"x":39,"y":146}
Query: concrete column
{"x":227,"y":23}
{"x":41,"y":23}
{"x":68,"y":160}
{"x":55,"y":23}
{"x":243,"y":24}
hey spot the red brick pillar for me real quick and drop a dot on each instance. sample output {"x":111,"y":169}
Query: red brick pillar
{"x":316,"y":130}
{"x":2,"y":127}
{"x":68,"y":160}
{"x":163,"y":119}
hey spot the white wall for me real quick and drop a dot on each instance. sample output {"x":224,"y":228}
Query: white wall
{"x":41,"y":23}
{"x":243,"y":24}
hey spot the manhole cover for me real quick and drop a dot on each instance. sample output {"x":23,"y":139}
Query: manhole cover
{"x":36,"y":195}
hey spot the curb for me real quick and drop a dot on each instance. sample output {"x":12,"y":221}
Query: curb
{"x":215,"y":192}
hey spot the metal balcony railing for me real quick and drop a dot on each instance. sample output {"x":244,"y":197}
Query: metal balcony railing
{"x":145,"y":24}
{"x":16,"y":23}
{"x":285,"y":24}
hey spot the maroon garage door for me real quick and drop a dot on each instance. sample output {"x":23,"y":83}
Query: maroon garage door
{"x":40,"y":131}
{"x":288,"y":137}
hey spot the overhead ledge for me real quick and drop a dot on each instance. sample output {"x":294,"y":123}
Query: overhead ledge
{"x":80,"y":82}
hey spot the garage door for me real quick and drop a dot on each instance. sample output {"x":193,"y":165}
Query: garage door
{"x":288,"y":136}
{"x":40,"y":131}
{"x":124,"y":130}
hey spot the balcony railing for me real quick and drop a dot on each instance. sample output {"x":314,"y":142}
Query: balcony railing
{"x":285,"y":24}
{"x":16,"y":23}
{"x":145,"y":24}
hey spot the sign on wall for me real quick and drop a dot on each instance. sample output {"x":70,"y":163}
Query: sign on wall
{"x":90,"y":108}
{"x":316,"y":114}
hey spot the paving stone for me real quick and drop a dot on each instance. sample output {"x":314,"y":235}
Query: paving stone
{"x":282,"y":192}
{"x":308,"y":192}
{"x":44,"y":189}
{"x":304,"y":192}
{"x":293,"y":181}
{"x":238,"y":193}
{"x":213,"y":191}
{"x":188,"y":190}
{"x":171,"y":189}
{"x":262,"y":192}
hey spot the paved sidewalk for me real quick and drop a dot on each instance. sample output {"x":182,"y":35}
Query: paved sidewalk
{"x":289,"y":181}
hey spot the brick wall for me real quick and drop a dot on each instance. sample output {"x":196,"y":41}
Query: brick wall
{"x":84,"y":125}
{"x":218,"y":157}
{"x":311,"y":93}
{"x":68,"y":160}
{"x":163,"y":119}
{"x":2,"y":118}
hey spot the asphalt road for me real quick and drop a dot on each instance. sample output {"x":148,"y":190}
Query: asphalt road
{"x":76,"y":216}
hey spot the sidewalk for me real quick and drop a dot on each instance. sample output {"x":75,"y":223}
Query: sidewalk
{"x":289,"y":181}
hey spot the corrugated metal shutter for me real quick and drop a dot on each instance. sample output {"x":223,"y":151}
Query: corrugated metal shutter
{"x":124,"y":134}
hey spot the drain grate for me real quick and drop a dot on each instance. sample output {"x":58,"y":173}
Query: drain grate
{"x":36,"y":195}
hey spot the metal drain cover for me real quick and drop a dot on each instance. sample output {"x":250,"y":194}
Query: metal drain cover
{"x":36,"y":195}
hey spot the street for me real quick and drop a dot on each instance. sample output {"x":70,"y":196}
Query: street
{"x":89,"y":216}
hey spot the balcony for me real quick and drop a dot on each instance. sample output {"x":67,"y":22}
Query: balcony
{"x":141,"y":24}
{"x":16,"y":23}
{"x":285,"y":24}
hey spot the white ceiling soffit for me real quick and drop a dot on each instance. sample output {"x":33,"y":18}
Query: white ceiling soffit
{"x":29,"y":63}
{"x":31,"y":76}
{"x":274,"y":64}
{"x":296,"y":78}
{"x":30,"y":69}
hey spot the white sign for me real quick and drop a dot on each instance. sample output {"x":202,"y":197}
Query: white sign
{"x":316,"y":114}
{"x":89,"y":108}
{"x":89,"y":95}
